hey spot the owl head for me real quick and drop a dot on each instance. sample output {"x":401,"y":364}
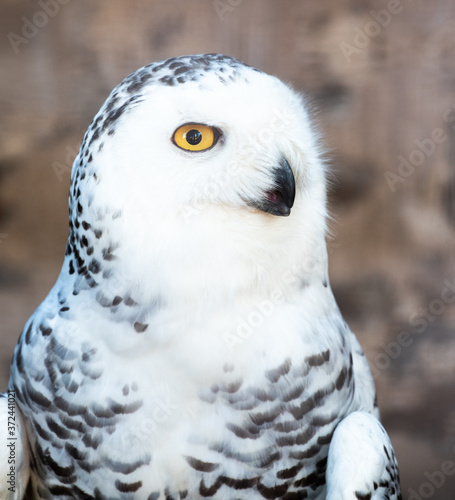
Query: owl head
{"x":198,"y":171}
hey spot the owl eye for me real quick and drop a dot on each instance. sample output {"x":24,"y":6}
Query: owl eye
{"x":195,"y":137}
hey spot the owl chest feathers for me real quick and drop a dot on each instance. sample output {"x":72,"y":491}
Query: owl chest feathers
{"x":228,"y":396}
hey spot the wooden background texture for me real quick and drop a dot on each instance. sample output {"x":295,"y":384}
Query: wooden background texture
{"x":381,"y":75}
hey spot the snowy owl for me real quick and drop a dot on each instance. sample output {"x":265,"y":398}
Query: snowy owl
{"x":191,"y":346}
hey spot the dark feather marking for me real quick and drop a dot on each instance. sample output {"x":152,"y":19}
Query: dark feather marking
{"x":305,"y":407}
{"x":64,"y":368}
{"x":93,"y":421}
{"x":321,"y":465}
{"x":127,"y":487}
{"x":275,"y":492}
{"x":288,"y":426}
{"x":290,"y":472}
{"x":91,"y":441}
{"x":107,"y":273}
{"x":320,"y":421}
{"x":325,"y":439}
{"x":71,"y":409}
{"x":45,"y":330}
{"x":103,"y":300}
{"x":236,"y":484}
{"x":107,"y":253}
{"x":36,"y":396}
{"x":207,"y":397}
{"x":128,"y":301}
{"x":99,"y":495}
{"x":28,"y":333}
{"x":140,"y":327}
{"x":293,"y":393}
{"x":263,"y":395}
{"x":259,"y":458}
{"x":256,"y":429}
{"x":274,"y":374}
{"x":154,"y":496}
{"x":125,"y":468}
{"x":41,"y":432}
{"x":87,"y":370}
{"x":211,"y":490}
{"x":116,"y":301}
{"x":317,"y":359}
{"x":269,"y":459}
{"x":19,"y":359}
{"x":122,"y":409}
{"x":74,"y":452}
{"x":341,"y":379}
{"x":298,"y":439}
{"x":19,"y":395}
{"x":47,"y":460}
{"x":201,"y":466}
{"x":88,"y":355}
{"x":57,"y":429}
{"x":308,"y":453}
{"x":296,"y":495}
{"x":265,"y":417}
{"x":363,"y":496}
{"x":241,"y":405}
{"x":60,"y":350}
{"x":101,"y":412}
{"x":167,"y":495}
{"x":94,"y":266}
{"x":233,"y":386}
{"x":87,"y":466}
{"x":243,"y":433}
{"x":311,"y":481}
{"x":59,"y":490}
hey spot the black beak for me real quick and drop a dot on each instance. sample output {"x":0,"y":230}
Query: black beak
{"x":280,"y":199}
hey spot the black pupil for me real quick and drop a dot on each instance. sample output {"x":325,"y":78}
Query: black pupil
{"x":193,"y":137}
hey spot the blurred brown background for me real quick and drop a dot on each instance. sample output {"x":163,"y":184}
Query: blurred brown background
{"x":382,"y":77}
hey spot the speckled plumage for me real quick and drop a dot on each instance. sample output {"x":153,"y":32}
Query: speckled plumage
{"x":191,"y":347}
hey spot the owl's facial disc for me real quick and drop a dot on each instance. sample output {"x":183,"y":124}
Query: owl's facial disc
{"x":280,"y":199}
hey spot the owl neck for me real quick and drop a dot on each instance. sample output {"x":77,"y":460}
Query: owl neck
{"x":132,"y":270}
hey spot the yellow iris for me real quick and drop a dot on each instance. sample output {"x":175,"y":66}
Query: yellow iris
{"x":195,"y":137}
